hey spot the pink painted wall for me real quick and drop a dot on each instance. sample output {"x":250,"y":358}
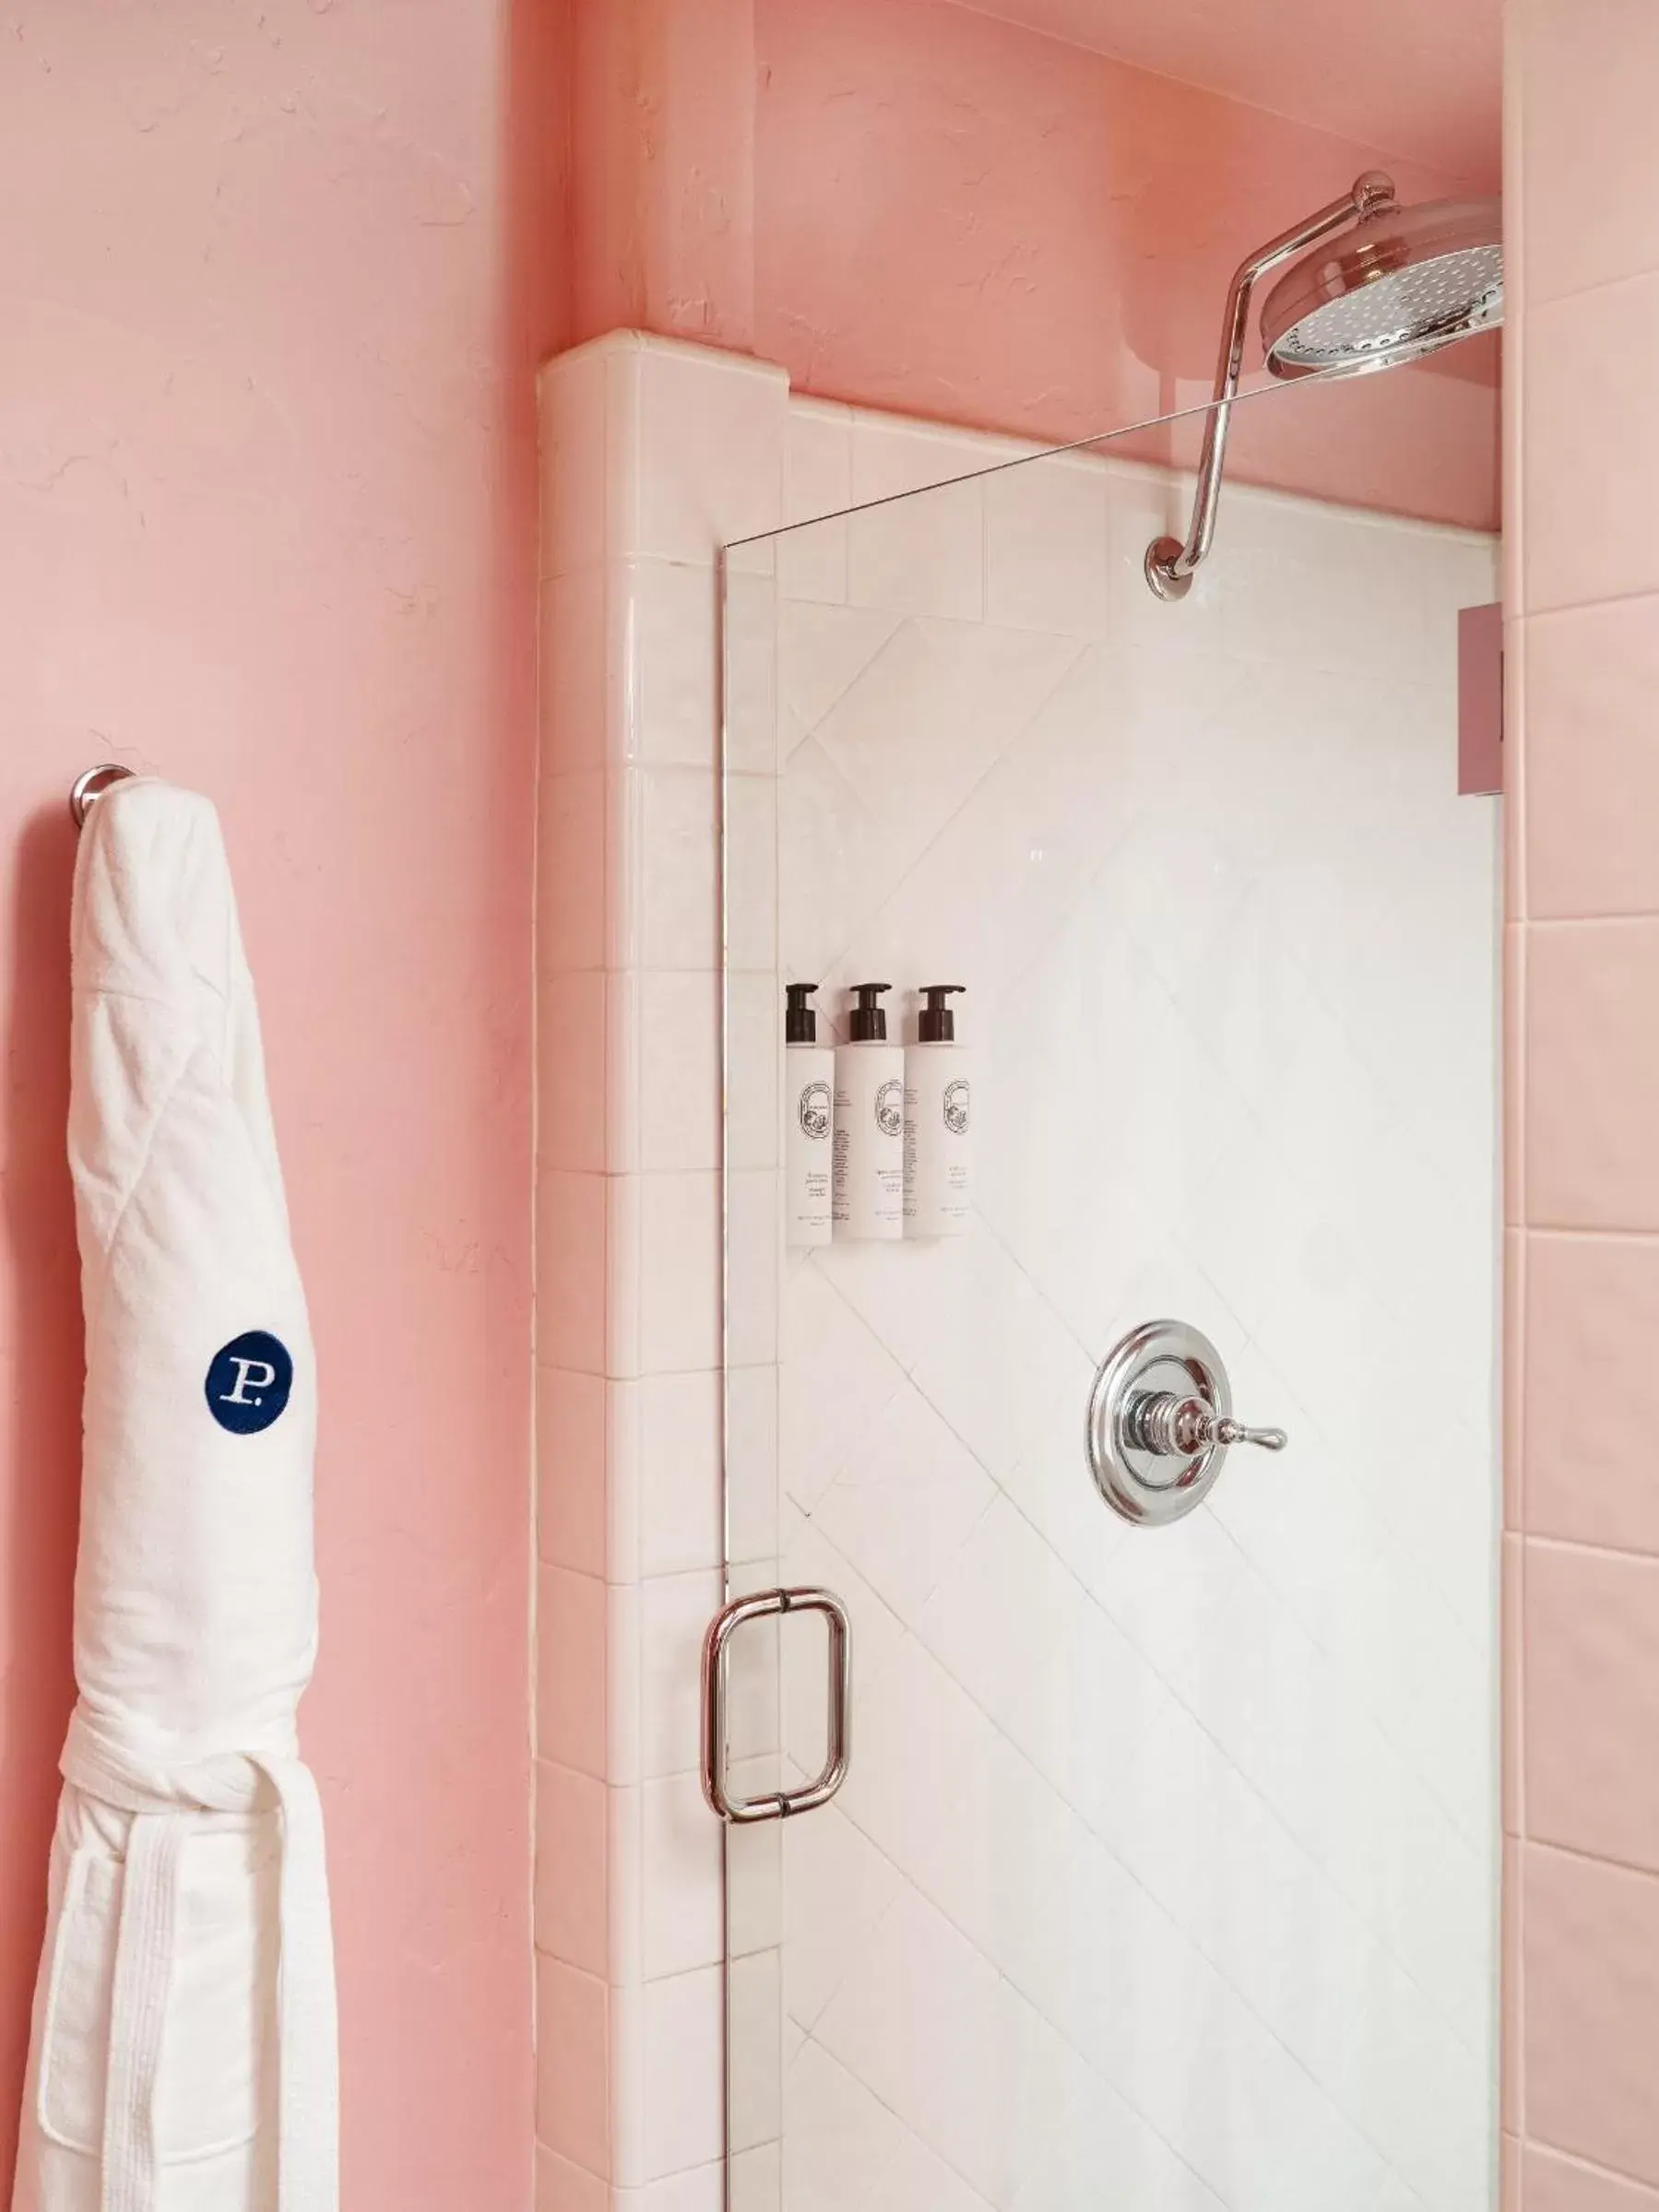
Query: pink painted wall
{"x":1582,"y":1496}
{"x":267,"y":525}
{"x":912,"y":205}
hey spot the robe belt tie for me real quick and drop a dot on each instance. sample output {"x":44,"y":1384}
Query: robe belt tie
{"x":162,"y":1799}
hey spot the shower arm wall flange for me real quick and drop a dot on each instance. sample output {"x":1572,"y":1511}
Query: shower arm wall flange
{"x":1170,"y":564}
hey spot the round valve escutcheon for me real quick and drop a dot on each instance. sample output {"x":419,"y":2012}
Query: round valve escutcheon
{"x":1161,"y":1423}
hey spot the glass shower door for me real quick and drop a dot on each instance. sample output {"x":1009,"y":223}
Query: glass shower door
{"x":1162,"y":1872}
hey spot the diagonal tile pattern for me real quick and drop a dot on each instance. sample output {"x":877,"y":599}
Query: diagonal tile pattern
{"x":1164,"y":1876}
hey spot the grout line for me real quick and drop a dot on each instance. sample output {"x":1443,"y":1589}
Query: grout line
{"x":1581,"y":2164}
{"x":1593,"y":1858}
{"x":1583,"y":921}
{"x":1584,"y":1548}
{"x":1587,"y":1235}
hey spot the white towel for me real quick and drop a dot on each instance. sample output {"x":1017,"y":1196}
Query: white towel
{"x":183,"y":2051}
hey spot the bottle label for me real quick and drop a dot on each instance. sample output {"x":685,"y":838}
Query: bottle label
{"x":890,"y":1109}
{"x":814,"y":1111}
{"x":955,"y":1107}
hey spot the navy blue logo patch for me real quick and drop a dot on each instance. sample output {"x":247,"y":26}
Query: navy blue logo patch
{"x":249,"y":1381}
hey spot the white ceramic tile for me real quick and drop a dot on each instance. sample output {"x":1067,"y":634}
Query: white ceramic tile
{"x":917,"y":2182}
{"x":754,"y":1048}
{"x":671,"y":628}
{"x":828,"y":864}
{"x":674,"y":1610}
{"x":571,"y":1215}
{"x":754,"y":1862}
{"x":991,"y":2087}
{"x":677,"y":1435}
{"x":924,"y":555}
{"x":756,"y":2183}
{"x":682,"y":2028}
{"x":575,"y":493}
{"x":702,"y":2190}
{"x":683,"y":1920}
{"x":836,"y":1380}
{"x":572,"y":1470}
{"x":679,"y":921}
{"x":679,"y":1273}
{"x":754,"y":1249}
{"x":812,"y":563}
{"x":837,"y":1887}
{"x":624,"y":1730}
{"x":750,"y":674}
{"x":753,"y":1672}
{"x":1040,"y":823}
{"x":905,"y":1502}
{"x":751,"y":1462}
{"x":755,"y":1999}
{"x":984,"y":686}
{"x":838,"y":2137}
{"x":625,"y":1199}
{"x":750,"y":826}
{"x":571,"y":1867}
{"x":1046,"y":547}
{"x":1315,"y":588}
{"x":711,"y":449}
{"x":572,"y":2064}
{"x":580,"y":670}
{"x":822,"y":652}
{"x":679,"y":1060}
{"x":893,"y":455}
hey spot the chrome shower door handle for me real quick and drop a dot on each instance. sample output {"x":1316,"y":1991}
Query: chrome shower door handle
{"x":774,"y":1604}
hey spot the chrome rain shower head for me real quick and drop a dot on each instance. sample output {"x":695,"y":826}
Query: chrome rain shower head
{"x":1398,"y":285}
{"x":1405,"y":282}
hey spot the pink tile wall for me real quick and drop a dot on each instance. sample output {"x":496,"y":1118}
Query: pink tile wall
{"x":653,"y":454}
{"x":1581,"y":1491}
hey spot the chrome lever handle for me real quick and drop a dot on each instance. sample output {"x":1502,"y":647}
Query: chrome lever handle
{"x":1229,"y":1431}
{"x":1176,"y":1428}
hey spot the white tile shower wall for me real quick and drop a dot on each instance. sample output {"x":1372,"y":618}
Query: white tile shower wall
{"x":1161,"y":1876}
{"x":1164,"y":1875}
{"x":653,"y":455}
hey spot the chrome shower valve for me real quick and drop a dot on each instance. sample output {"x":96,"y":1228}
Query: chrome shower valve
{"x":1161,"y":1423}
{"x":1177,"y":1426}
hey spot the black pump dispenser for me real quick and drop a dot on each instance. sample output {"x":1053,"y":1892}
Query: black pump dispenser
{"x":800,"y":1020}
{"x":938,"y":1023}
{"x":870,"y":1016}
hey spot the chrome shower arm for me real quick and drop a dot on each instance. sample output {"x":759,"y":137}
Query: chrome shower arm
{"x":1170,"y":564}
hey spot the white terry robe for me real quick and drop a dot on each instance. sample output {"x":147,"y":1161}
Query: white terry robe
{"x":183,"y":2049}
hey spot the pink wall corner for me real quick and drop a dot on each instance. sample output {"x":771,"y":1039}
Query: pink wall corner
{"x":269,"y":521}
{"x":1581,"y":1665}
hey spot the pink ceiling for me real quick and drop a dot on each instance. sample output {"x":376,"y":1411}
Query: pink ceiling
{"x":1417,"y":79}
